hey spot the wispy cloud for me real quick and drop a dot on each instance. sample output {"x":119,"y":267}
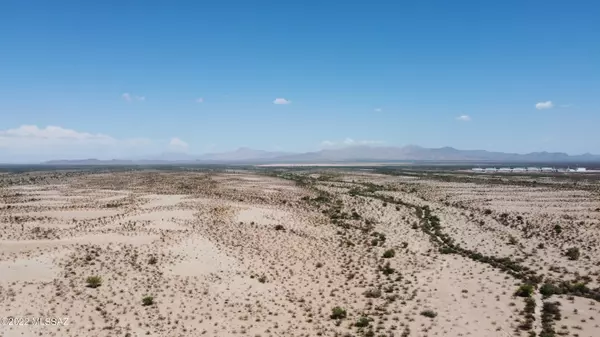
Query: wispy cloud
{"x":178,"y":143}
{"x":281,"y":101}
{"x":544,"y":105}
{"x":464,"y":118}
{"x":349,"y":142}
{"x":128,"y":97}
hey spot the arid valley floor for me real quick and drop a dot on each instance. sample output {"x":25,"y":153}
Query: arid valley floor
{"x":298,"y":252}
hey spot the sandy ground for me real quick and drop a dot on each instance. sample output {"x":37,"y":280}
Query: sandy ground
{"x":246,"y":254}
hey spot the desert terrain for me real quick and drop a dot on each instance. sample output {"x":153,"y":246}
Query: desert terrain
{"x":298,"y":252}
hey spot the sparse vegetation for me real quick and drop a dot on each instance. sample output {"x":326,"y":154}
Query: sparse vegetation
{"x":429,"y":313}
{"x":147,"y":300}
{"x":93,"y":281}
{"x":338,"y":313}
{"x":525,"y":290}
{"x":573,"y":253}
{"x":389,"y":254}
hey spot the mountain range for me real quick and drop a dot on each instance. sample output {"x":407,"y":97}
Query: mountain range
{"x":347,"y":154}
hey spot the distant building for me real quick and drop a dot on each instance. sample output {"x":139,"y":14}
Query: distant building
{"x":490,"y":169}
{"x":505,"y":169}
{"x":581,"y":169}
{"x":533,"y":169}
{"x":548,"y":169}
{"x":477,"y":169}
{"x":519,"y":169}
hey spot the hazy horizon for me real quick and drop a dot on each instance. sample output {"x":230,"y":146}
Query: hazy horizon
{"x":112,"y":80}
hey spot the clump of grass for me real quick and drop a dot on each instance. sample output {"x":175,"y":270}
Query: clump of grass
{"x":512,"y":240}
{"x":148,"y":300}
{"x":152,"y":260}
{"x":573,"y":253}
{"x":279,"y":227}
{"x":262,"y":279}
{"x":389,"y":254}
{"x":319,"y":265}
{"x":557,"y":229}
{"x":429,"y":313}
{"x":338,"y":313}
{"x":93,"y":281}
{"x":525,"y":290}
{"x":487,"y":211}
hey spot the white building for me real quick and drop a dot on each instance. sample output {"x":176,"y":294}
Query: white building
{"x":477,"y":169}
{"x":505,"y":169}
{"x":490,"y":169}
{"x":519,"y":169}
{"x":548,"y":169}
{"x":581,"y":169}
{"x":533,"y":169}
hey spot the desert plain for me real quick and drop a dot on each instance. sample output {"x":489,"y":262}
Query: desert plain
{"x":298,"y":252}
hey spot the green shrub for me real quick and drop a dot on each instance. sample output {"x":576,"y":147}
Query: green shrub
{"x":338,"y":313}
{"x":94,"y":281}
{"x":525,"y":290}
{"x":389,"y":254}
{"x":362,"y":322}
{"x":548,"y":289}
{"x":147,"y":300}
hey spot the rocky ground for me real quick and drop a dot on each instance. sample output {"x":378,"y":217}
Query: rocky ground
{"x":297,"y":252}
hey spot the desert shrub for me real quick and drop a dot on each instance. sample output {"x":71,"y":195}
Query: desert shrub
{"x":338,"y":313}
{"x":387,"y":269}
{"x":94,"y":281}
{"x":152,"y":260}
{"x":279,"y":227}
{"x":541,"y":246}
{"x":525,"y":290}
{"x":446,"y":250}
{"x":573,"y":253}
{"x":362,"y":322}
{"x":549,"y":289}
{"x":262,"y":279}
{"x":148,"y":300}
{"x":428,"y":313}
{"x":372,"y":293}
{"x":557,"y":229}
{"x":374,"y":242}
{"x":319,"y":265}
{"x":389,"y":254}
{"x":512,"y":240}
{"x":487,"y":211}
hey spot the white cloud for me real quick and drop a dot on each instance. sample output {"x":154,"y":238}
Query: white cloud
{"x":281,"y":101}
{"x":544,"y":105}
{"x":128,"y":97}
{"x":29,"y":132}
{"x":464,"y":118}
{"x":178,"y":143}
{"x":32,"y":143}
{"x":349,"y":142}
{"x":200,"y":100}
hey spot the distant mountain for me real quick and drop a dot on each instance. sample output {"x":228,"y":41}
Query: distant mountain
{"x":242,"y":154}
{"x":347,"y":154}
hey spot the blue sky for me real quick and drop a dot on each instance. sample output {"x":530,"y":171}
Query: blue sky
{"x":121,"y":78}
